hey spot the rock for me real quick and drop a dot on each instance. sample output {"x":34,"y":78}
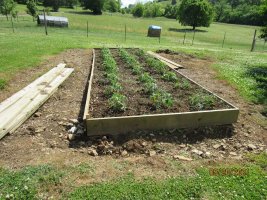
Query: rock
{"x":182,"y":158}
{"x":39,"y":130}
{"x":80,"y":132}
{"x":73,"y":130}
{"x":104,"y":138}
{"x":182,"y":145}
{"x":71,"y":137}
{"x":154,"y":140}
{"x":197,"y":152}
{"x":89,"y":143}
{"x":92,"y":152}
{"x":152,"y":135}
{"x":74,"y":121}
{"x":233,"y":153}
{"x":144,"y":144}
{"x":124,"y":153}
{"x":37,"y":114}
{"x":216,"y":146}
{"x":207,"y":154}
{"x":251,"y":147}
{"x":152,"y":153}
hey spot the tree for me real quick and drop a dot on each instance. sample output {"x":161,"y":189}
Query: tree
{"x":174,"y":2}
{"x":138,"y":10}
{"x":112,"y":5}
{"x":32,"y":8}
{"x":153,"y":10}
{"x":95,"y":5}
{"x":195,"y":13}
{"x":7,"y":7}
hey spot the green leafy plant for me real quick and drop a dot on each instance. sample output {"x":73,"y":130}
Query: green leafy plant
{"x":117,"y":102}
{"x":111,"y":89}
{"x":146,"y":78}
{"x":201,"y":102}
{"x":162,"y":99}
{"x":185,"y":84}
{"x":3,"y":84}
{"x":169,"y":76}
{"x":150,"y":87}
{"x":156,"y":64}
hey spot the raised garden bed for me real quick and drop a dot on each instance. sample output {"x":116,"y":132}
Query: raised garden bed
{"x":130,"y":90}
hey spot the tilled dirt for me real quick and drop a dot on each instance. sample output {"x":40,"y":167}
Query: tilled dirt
{"x":44,"y":138}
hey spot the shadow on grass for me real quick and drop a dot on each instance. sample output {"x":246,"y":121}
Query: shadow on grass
{"x":186,"y":30}
{"x":259,"y":74}
{"x":85,"y":12}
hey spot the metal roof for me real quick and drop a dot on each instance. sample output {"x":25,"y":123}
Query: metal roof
{"x":53,"y":18}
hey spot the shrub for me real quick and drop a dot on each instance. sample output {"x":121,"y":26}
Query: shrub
{"x":138,"y":10}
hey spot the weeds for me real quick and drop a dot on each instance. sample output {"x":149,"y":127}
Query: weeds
{"x":169,"y":76}
{"x":201,"y":102}
{"x":3,"y":84}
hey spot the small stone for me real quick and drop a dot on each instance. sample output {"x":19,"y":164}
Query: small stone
{"x":152,"y":135}
{"x":216,"y":146}
{"x":39,"y":130}
{"x":152,"y":153}
{"x":124,"y":153}
{"x":251,"y":147}
{"x":73,"y":130}
{"x":74,"y":121}
{"x":92,"y":152}
{"x":144,"y":144}
{"x":71,"y":137}
{"x":182,"y":145}
{"x":233,"y":153}
{"x":197,"y":152}
{"x":104,"y":138}
{"x":154,"y":140}
{"x":80,"y":132}
{"x":37,"y":114}
{"x":182,"y":158}
{"x":207,"y":154}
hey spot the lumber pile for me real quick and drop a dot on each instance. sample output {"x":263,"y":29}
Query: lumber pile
{"x":18,"y":108}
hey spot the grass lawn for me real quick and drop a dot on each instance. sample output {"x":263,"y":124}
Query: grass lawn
{"x":35,"y":182}
{"x":28,"y":46}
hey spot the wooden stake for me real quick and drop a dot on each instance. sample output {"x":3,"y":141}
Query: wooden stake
{"x":184,"y":37}
{"x":223,"y":39}
{"x":45,"y":23}
{"x":254,"y":41}
{"x":87,"y":28}
{"x":193,"y":37}
{"x":12,"y":24}
{"x":125,"y":33}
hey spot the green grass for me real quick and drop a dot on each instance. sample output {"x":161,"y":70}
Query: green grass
{"x":35,"y":182}
{"x":28,"y":46}
{"x":201,"y":186}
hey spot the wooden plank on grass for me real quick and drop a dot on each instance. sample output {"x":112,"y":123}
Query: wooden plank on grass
{"x":31,"y":104}
{"x":117,"y":125}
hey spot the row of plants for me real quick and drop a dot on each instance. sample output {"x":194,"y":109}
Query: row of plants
{"x":159,"y":98}
{"x":198,"y":101}
{"x":117,"y":101}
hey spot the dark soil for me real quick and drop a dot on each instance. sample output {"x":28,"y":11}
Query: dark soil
{"x":139,"y":103}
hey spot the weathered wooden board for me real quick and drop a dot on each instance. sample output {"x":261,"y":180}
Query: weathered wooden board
{"x":20,"y":110}
{"x":86,"y":109}
{"x":116,"y":125}
{"x":168,"y":62}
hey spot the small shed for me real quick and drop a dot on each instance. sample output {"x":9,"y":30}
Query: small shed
{"x":154,"y":31}
{"x":53,"y":21}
